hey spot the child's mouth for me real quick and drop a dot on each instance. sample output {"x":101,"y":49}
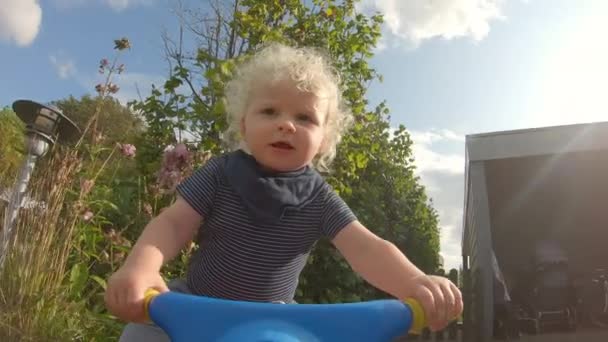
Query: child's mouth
{"x":282,"y":145}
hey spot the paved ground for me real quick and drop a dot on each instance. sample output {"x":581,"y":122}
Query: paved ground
{"x":579,"y":336}
{"x":583,"y":336}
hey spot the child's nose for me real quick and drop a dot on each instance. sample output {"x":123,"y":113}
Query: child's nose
{"x":287,"y":125}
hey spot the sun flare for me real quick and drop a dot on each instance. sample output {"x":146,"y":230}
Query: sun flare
{"x":575,"y":77}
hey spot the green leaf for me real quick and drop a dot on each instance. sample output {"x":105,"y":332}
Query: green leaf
{"x":361,"y":160}
{"x":225,"y":68}
{"x":79,"y":275}
{"x":99,"y":281}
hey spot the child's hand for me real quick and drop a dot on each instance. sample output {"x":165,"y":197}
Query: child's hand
{"x":125,"y":292}
{"x":440,"y":299}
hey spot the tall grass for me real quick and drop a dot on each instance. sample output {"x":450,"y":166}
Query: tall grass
{"x":37,"y":301}
{"x":32,"y":280}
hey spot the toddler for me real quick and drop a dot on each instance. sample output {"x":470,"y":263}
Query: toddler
{"x":257,"y":211}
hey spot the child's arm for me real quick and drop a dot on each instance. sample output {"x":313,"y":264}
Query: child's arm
{"x":165,"y":236}
{"x":161,"y":241}
{"x":383,"y":265}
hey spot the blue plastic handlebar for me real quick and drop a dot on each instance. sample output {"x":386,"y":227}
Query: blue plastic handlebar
{"x":187,"y":318}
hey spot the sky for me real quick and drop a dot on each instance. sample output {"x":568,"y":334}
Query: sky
{"x":450,"y":67}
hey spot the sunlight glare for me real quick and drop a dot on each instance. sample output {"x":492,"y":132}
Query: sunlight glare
{"x":574,"y":88}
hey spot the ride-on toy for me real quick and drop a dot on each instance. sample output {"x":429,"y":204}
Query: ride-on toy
{"x":188,"y":318}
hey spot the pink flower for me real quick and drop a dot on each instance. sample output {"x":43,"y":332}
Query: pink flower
{"x":181,"y":152}
{"x":113,"y":88}
{"x":175,"y":160}
{"x":103,"y":64}
{"x":168,"y":179}
{"x":87,"y":216}
{"x":127,"y":150}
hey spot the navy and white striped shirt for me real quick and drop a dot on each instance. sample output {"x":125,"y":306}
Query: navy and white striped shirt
{"x":241,"y":259}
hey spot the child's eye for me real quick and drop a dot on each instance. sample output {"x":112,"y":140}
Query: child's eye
{"x":268,"y":111}
{"x":305,"y":118}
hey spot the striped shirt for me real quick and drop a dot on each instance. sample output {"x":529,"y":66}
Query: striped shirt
{"x":240,"y":258}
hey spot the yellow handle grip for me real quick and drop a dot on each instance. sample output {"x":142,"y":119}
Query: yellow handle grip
{"x":148,"y":297}
{"x":418,"y":317}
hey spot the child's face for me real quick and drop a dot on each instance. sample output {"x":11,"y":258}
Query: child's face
{"x":283,"y":126}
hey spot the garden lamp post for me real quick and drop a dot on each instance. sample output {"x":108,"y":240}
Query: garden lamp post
{"x":44,"y":126}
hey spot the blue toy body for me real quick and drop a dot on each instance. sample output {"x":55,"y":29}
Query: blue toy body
{"x":188,"y":318}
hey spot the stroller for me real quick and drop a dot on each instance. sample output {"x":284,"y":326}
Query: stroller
{"x":553,"y":299}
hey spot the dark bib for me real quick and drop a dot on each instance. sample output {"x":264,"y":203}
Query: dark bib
{"x":267,"y":194}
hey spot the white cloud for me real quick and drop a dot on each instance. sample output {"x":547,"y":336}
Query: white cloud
{"x":417,"y":20}
{"x":450,"y":248}
{"x":64,"y":66}
{"x":435,"y":135}
{"x":20,"y":21}
{"x":429,"y":160}
{"x":442,"y":174}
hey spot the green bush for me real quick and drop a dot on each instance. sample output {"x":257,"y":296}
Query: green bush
{"x":12,"y":146}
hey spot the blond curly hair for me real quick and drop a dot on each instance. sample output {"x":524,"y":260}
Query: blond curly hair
{"x":310,"y":70}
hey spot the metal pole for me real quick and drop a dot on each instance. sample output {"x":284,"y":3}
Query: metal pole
{"x":37,"y":147}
